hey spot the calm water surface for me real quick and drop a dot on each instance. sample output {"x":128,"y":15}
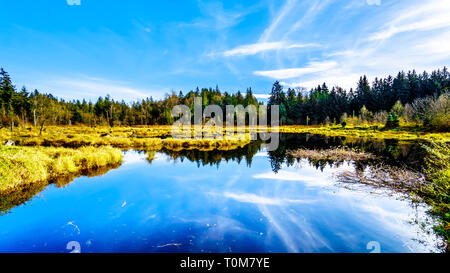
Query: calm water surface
{"x":213,"y":205}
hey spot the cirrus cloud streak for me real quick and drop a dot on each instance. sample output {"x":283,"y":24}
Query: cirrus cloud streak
{"x":313,"y":67}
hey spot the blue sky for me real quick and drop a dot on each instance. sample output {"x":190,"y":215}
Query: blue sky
{"x":134,"y":49}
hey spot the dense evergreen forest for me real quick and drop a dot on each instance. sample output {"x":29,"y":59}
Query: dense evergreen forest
{"x":416,"y":98}
{"x":421,"y":98}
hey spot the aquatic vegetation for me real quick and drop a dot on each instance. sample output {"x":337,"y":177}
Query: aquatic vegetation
{"x":332,"y":154}
{"x":437,"y":193}
{"x":382,"y":175}
{"x":375,"y":173}
{"x":24,"y":165}
{"x":74,"y":137}
{"x":150,"y":138}
{"x":368,"y":131}
{"x":431,"y":184}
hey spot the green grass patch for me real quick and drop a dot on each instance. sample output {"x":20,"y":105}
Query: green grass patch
{"x":437,"y":193}
{"x":24,"y":165}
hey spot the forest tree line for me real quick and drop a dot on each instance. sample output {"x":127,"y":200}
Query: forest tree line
{"x":36,"y":108}
{"x":421,"y":98}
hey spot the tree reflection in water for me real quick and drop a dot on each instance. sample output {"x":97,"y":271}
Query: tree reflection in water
{"x":391,"y":152}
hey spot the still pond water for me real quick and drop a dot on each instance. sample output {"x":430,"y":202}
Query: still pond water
{"x":238,"y":201}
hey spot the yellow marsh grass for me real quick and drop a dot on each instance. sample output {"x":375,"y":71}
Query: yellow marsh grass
{"x":372,"y":131}
{"x":144,"y":136}
{"x":119,"y":137}
{"x":204,"y":144}
{"x":19,"y":165}
{"x":151,"y":137}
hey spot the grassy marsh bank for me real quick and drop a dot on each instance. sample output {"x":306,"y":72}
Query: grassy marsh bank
{"x":369,"y":131}
{"x":150,"y":138}
{"x":26,"y":165}
{"x":61,"y":152}
{"x":144,"y":135}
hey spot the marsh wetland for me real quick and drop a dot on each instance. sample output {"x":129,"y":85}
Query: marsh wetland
{"x":315,"y":193}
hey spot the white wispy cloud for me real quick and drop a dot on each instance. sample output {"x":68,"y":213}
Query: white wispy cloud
{"x":132,"y":157}
{"x":427,"y":24}
{"x":217,"y":17}
{"x":374,"y":2}
{"x":73,"y":2}
{"x":284,"y":11}
{"x":436,"y":45}
{"x":313,"y":67}
{"x":256,"y":48}
{"x":342,"y":53}
{"x":98,"y":86}
{"x":378,"y":45}
{"x":92,"y":88}
{"x":309,"y":16}
{"x":261,"y":200}
{"x":428,"y":16}
{"x":308,"y":178}
{"x":261,"y":96}
{"x":339,"y":77}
